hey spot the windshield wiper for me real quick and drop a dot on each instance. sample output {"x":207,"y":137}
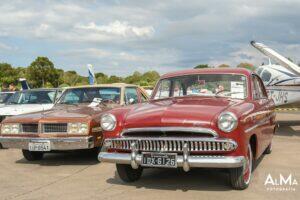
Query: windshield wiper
{"x":226,"y":93}
{"x":68,"y":103}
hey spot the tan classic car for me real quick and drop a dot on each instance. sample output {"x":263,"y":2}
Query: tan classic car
{"x":73,"y":123}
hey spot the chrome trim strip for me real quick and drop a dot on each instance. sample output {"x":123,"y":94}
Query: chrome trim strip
{"x":201,"y":139}
{"x":172,"y":128}
{"x":192,"y":161}
{"x":262,"y":122}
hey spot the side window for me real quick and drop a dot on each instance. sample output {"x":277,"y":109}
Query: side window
{"x":131,"y":96}
{"x":58,"y":94}
{"x":263,"y":93}
{"x":163,"y":90}
{"x":71,"y":97}
{"x":258,"y":92}
{"x":50,"y":97}
{"x":259,"y":71}
{"x":32,"y":99}
{"x":143,"y":97}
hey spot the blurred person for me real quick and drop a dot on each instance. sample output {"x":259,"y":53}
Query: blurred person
{"x":12,"y":87}
{"x":4,"y":87}
{"x":219,"y":88}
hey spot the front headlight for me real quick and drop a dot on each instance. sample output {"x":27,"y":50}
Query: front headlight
{"x":10,"y":129}
{"x":78,"y":128}
{"x":227,"y":122}
{"x":108,"y":122}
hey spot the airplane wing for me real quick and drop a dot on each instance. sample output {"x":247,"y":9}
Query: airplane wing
{"x":277,"y":57}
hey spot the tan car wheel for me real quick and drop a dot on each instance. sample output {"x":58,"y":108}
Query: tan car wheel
{"x":32,"y":156}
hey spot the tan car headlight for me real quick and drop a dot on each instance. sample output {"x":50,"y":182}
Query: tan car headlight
{"x":78,"y":128}
{"x":10,"y":129}
{"x":227,"y":122}
{"x":108,"y":122}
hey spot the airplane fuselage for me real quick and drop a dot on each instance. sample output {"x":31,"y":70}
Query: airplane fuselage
{"x":282,"y":85}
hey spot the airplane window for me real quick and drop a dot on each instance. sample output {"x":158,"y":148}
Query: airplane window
{"x":259,"y":71}
{"x":266,"y":76}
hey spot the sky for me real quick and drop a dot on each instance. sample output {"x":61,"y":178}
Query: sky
{"x":122,"y":36}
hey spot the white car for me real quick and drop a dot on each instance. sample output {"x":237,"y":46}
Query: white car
{"x":4,"y":96}
{"x":28,"y":101}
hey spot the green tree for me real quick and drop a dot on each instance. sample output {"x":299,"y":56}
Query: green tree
{"x":149,"y":78}
{"x":134,"y":78}
{"x":201,"y":66}
{"x":249,"y":66}
{"x":223,"y":66}
{"x":41,"y":72}
{"x":101,"y":78}
{"x":115,"y":79}
{"x":70,"y":78}
{"x":8,"y":74}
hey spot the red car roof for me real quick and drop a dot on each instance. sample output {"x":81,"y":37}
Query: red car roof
{"x":208,"y":71}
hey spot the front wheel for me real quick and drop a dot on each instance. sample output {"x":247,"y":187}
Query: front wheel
{"x":268,"y":149}
{"x":32,"y":156}
{"x":128,"y":174}
{"x":240,"y":178}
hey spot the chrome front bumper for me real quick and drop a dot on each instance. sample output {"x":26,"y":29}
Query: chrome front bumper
{"x":186,"y":163}
{"x":71,"y":143}
{"x":187,"y":146}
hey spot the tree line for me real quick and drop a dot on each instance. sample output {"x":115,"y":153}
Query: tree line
{"x":42,"y":73}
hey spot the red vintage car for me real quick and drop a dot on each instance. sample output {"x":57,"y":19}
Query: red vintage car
{"x":202,"y":118}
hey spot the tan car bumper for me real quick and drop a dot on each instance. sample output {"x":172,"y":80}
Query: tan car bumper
{"x":71,"y":143}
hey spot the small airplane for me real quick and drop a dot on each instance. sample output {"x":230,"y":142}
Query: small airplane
{"x":281,"y":80}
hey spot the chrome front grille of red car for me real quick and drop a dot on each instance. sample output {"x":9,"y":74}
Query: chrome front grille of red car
{"x":172,"y":144}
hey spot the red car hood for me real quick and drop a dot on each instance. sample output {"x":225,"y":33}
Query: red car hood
{"x":187,"y":111}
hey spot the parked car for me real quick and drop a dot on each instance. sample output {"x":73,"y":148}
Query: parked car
{"x":210,"y":118}
{"x":73,"y":123}
{"x":28,"y":101}
{"x":4,"y":96}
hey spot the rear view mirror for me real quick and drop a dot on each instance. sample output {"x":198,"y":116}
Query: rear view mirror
{"x":131,"y":101}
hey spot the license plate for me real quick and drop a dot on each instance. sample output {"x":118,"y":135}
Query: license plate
{"x":39,"y":146}
{"x":159,"y":160}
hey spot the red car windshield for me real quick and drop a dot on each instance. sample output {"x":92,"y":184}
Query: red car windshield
{"x":225,"y":85}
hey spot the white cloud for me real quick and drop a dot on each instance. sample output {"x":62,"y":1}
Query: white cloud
{"x":119,"y":28}
{"x":88,"y":52}
{"x":5,"y":47}
{"x":122,"y":37}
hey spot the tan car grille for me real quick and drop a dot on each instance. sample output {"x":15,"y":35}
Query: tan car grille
{"x":29,"y":128}
{"x":55,"y":128}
